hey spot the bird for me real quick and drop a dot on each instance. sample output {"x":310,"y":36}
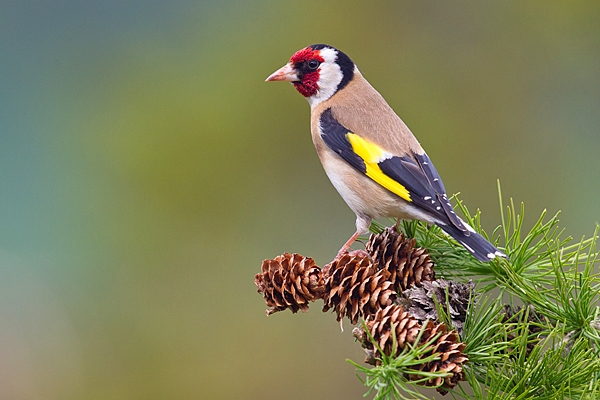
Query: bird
{"x":369,"y":154}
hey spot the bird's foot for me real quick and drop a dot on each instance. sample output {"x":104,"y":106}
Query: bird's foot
{"x":354,"y":253}
{"x":359,"y":253}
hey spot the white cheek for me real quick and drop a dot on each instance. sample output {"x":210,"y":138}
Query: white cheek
{"x":330,"y":76}
{"x":330,"y":79}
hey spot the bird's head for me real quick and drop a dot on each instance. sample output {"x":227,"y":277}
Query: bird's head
{"x":317,"y":72}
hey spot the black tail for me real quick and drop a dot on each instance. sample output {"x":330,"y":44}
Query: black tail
{"x":474,"y":242}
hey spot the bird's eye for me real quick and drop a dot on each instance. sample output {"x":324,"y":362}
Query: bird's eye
{"x":313,"y":64}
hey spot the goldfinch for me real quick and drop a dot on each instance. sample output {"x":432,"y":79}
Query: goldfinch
{"x":371,"y":157}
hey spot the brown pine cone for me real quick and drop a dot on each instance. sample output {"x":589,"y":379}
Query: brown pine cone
{"x":451,"y":357}
{"x":447,"y":346}
{"x":355,"y":288}
{"x":380,"y":326}
{"x":289,"y":281}
{"x":408,"y":265}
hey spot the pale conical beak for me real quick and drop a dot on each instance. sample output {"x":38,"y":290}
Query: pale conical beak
{"x":285,"y":73}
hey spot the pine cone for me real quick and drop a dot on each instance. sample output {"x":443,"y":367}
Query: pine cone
{"x":406,"y":328}
{"x":380,"y":326}
{"x":450,"y":349}
{"x":408,"y":265}
{"x":421,"y":301}
{"x":355,"y":288}
{"x":289,"y":281}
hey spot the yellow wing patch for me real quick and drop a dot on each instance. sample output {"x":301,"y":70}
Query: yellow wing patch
{"x":371,"y":155}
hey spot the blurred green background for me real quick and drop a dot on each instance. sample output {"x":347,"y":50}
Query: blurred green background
{"x":146,"y":170}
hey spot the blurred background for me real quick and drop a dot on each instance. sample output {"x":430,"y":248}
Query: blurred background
{"x":146,"y":170}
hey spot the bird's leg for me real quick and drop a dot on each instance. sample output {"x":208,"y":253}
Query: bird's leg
{"x":397,"y":225}
{"x":344,"y":250}
{"x":346,"y":246}
{"x":362,"y":226}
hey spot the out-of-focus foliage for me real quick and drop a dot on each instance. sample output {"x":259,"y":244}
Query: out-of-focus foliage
{"x":146,"y":170}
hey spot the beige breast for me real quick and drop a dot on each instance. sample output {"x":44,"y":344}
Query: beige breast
{"x":364,"y":116}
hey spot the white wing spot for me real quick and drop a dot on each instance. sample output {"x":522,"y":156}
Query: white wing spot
{"x":427,"y":198}
{"x":438,"y":208}
{"x":467,"y":247}
{"x":491,"y":256}
{"x":436,"y":179}
{"x":385,"y":156}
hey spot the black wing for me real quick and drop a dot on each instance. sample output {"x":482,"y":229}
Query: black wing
{"x":414,"y":172}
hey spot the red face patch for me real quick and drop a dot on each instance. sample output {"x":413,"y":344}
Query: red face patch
{"x":305,"y":55}
{"x":309,"y":85}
